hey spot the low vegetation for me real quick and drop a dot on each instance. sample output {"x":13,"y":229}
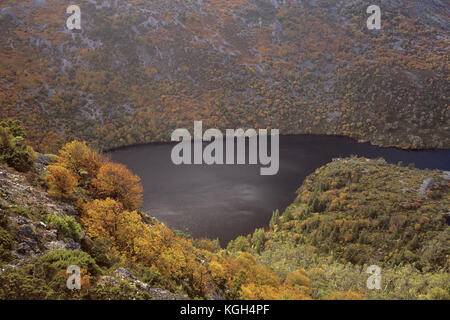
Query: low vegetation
{"x":353,"y":213}
{"x":13,"y":150}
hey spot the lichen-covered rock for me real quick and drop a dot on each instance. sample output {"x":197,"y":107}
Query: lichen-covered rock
{"x":426,"y":185}
{"x":123,"y":274}
{"x":42,"y":161}
{"x":446,"y":175}
{"x":25,"y":205}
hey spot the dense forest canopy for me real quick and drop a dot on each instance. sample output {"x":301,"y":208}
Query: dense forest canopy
{"x":139,"y":69}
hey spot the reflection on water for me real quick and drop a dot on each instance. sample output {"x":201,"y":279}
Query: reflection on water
{"x":226,"y":201}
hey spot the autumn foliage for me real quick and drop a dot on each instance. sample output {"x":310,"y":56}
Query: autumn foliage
{"x":62,"y":182}
{"x":108,"y":195}
{"x":81,"y":160}
{"x":116,"y":181}
{"x":324,"y":66}
{"x":344,"y":295}
{"x":78,"y":165}
{"x":153,"y":246}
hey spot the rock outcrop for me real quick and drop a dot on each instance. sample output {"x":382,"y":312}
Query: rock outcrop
{"x":426,"y":185}
{"x":24,"y":205}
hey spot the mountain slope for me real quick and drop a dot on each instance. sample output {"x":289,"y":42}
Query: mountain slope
{"x":77,"y":208}
{"x":354,"y":213}
{"x":368,"y":211}
{"x":139,"y":69}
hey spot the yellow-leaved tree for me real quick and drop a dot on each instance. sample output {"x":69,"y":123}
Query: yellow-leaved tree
{"x":103,"y":218}
{"x":107,"y":219}
{"x":300,"y":279}
{"x":153,"y":246}
{"x":81,"y":160}
{"x":62,"y":181}
{"x":116,"y":181}
{"x":243,"y":278}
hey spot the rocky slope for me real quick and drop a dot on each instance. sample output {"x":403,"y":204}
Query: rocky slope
{"x":139,"y":69}
{"x":25,"y":239}
{"x":24,"y":205}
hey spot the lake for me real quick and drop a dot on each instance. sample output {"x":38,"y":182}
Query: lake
{"x":231,"y":200}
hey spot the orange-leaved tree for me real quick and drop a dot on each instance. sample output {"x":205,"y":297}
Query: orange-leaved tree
{"x":62,"y":181}
{"x":107,"y":219}
{"x":243,"y":278}
{"x":79,"y":158}
{"x":153,"y":246}
{"x":116,"y":181}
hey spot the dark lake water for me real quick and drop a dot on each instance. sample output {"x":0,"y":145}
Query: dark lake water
{"x":231,"y":200}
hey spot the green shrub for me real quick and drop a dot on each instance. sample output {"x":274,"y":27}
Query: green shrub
{"x":22,"y":159}
{"x":18,"y":285}
{"x":51,"y":157}
{"x":118,"y":291}
{"x":6,"y":245}
{"x":3,"y":216}
{"x":258,"y":240}
{"x":275,"y":219}
{"x":13,"y":151}
{"x":287,"y":215}
{"x":241,"y":243}
{"x":150,"y":276}
{"x":67,"y":226}
{"x":47,"y":278}
{"x":19,"y":210}
{"x":437,"y":294}
{"x":14,"y":126}
{"x":99,"y":251}
{"x":50,"y":264}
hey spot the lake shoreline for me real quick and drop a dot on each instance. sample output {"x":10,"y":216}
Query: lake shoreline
{"x":285,"y":135}
{"x":225,"y":201}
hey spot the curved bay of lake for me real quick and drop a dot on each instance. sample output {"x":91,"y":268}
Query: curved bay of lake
{"x":225,"y":201}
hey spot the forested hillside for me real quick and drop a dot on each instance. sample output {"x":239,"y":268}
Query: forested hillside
{"x":357,"y":212}
{"x":77,"y":208}
{"x":140,"y":68}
